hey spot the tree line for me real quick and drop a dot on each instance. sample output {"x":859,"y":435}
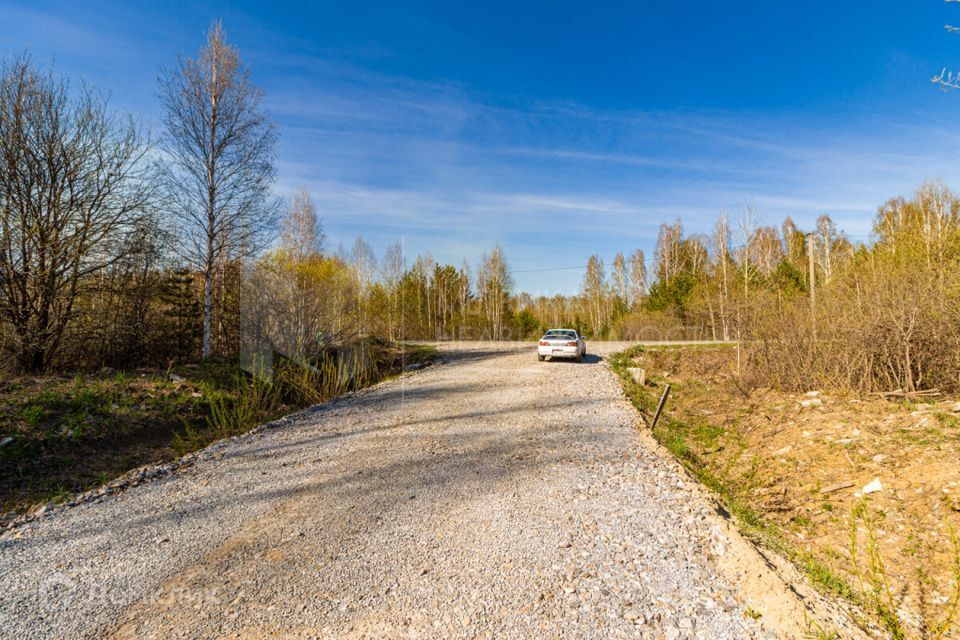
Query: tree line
{"x":122,"y":248}
{"x":807,"y":308}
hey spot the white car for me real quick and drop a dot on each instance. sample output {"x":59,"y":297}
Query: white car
{"x":561,"y":343}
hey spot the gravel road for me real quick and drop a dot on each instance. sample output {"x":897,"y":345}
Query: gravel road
{"x":491,"y":496}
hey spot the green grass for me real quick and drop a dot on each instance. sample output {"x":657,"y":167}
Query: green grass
{"x":815,"y":632}
{"x":248,"y":400}
{"x":57,"y":494}
{"x":824,"y":576}
{"x":74,"y":433}
{"x":33,"y":414}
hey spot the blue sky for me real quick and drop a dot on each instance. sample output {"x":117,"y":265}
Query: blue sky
{"x":557,"y":129}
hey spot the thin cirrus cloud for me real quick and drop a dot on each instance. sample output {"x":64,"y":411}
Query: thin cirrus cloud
{"x":452,"y":172}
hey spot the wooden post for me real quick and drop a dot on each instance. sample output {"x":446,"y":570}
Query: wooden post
{"x":813,"y":275}
{"x":813,"y":293}
{"x":663,"y":401}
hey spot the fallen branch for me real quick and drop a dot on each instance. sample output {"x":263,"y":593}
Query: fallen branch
{"x":900,"y":393}
{"x":836,"y":487}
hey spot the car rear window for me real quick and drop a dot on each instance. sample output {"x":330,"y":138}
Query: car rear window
{"x":560,"y":335}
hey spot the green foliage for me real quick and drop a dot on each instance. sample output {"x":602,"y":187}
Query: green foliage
{"x":789,"y":279}
{"x":57,"y":494}
{"x":253,"y":401}
{"x":33,"y":414}
{"x":671,"y":295}
{"x":527,"y":324}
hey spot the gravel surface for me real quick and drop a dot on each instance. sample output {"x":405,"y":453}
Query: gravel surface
{"x":491,"y":496}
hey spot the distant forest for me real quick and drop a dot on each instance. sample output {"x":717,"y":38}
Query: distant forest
{"x":120,"y":248}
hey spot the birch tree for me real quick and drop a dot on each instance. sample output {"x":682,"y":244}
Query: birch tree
{"x":766,"y":250}
{"x":669,"y":251}
{"x":391,"y":272}
{"x":364,"y":264}
{"x":220,"y":148}
{"x":825,"y":239}
{"x":620,"y":276}
{"x":302,"y":232}
{"x":301,"y":243}
{"x":493,"y":286}
{"x":594,"y":292}
{"x":638,"y":277}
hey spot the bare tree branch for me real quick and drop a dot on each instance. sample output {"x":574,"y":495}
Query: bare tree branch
{"x":220,"y":146}
{"x":75,"y":183}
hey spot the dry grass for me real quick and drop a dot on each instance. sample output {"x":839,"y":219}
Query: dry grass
{"x":776,"y":458}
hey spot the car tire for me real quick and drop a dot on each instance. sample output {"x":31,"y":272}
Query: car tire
{"x":541,"y":358}
{"x":578,"y":359}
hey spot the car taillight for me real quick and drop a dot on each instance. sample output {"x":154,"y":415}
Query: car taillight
{"x":544,"y":343}
{"x":571,"y":344}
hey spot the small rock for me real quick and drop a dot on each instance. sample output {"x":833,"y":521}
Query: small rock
{"x":781,"y":452}
{"x":175,"y":378}
{"x":812,"y":394}
{"x":7,"y":440}
{"x":873,"y":486}
{"x":879,"y":458}
{"x":812,"y":402}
